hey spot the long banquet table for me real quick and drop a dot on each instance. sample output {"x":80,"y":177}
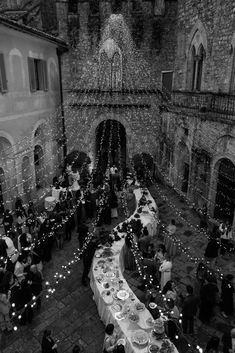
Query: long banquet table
{"x":107,"y":305}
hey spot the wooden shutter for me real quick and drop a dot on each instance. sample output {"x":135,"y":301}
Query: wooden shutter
{"x":45,"y":75}
{"x":3,"y":78}
{"x":40,"y":73}
{"x":32,"y":76}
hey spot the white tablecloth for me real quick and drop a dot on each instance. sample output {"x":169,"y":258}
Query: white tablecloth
{"x":125,"y":328}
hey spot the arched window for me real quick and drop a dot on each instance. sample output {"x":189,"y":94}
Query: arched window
{"x":193,"y":63}
{"x":200,"y":58}
{"x":116,"y":83}
{"x":110,"y":73}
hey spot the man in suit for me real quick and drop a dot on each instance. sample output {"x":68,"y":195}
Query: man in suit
{"x":189,"y":310}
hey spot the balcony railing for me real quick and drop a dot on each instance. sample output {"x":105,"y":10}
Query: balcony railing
{"x":206,"y":102}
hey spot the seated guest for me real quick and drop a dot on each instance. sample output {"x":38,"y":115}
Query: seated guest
{"x":169,"y":290}
{"x":110,"y":339}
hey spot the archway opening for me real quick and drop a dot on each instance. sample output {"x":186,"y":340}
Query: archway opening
{"x":225,"y":193}
{"x":111,"y":144}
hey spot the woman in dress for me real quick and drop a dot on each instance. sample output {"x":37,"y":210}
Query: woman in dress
{"x":48,"y":344}
{"x":165,"y":270}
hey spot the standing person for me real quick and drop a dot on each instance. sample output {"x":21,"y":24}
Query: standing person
{"x":203,"y":217}
{"x":226,"y":236}
{"x":212,"y":250}
{"x":113,"y":203}
{"x":169,"y":243}
{"x":189,"y":310}
{"x":46,"y":239}
{"x":7,"y":221}
{"x":227,"y":291}
{"x":144,"y":241}
{"x":82,"y":233}
{"x":48,"y":344}
{"x":165,"y":269}
{"x":59,"y":233}
{"x":87,"y":260}
{"x":208,"y":299}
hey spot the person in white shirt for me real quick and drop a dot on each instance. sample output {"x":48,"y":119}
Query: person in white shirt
{"x":226,"y":237}
{"x":165,"y":270}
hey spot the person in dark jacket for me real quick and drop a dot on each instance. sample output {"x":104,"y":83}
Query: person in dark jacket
{"x":212,"y":249}
{"x":189,"y":310}
{"x":82,"y":233}
{"x":227,"y":291}
{"x":87,"y":260}
{"x":213,"y":345}
{"x":208,"y":299}
{"x":48,"y":344}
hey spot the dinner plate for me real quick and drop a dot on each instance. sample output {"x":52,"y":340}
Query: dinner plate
{"x":120,"y":316}
{"x":140,"y":306}
{"x":107,"y":296}
{"x":133,"y":317}
{"x":122,"y":294}
{"x":110,"y":274}
{"x":116,"y":307}
{"x":140,"y":337}
{"x":152,"y":305}
{"x":97,"y":255}
{"x":153,"y":348}
{"x":106,"y":285}
{"x":121,"y":341}
{"x":150,"y":322}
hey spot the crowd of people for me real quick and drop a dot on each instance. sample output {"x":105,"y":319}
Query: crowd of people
{"x":29,"y":238}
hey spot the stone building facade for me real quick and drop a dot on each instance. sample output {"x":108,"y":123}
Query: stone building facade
{"x":196,"y":150}
{"x":132,"y":42}
{"x":30,"y":121}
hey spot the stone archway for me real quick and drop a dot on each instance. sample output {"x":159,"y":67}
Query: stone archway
{"x":90,"y":140}
{"x":225,"y":190}
{"x":110,"y":144}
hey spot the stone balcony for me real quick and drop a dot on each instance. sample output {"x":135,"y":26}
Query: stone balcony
{"x":214,"y":105}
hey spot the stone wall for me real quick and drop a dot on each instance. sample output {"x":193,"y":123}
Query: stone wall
{"x":154,"y":37}
{"x":215,"y":23}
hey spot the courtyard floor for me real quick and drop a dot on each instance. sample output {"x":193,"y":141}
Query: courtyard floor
{"x":71,"y":313}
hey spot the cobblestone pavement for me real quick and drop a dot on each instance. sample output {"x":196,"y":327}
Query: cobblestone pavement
{"x":184,"y":270}
{"x":71,"y":313}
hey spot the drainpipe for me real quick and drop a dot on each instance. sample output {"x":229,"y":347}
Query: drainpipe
{"x":64,"y":140}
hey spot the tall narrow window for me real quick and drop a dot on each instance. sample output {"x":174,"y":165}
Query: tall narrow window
{"x":232,"y":79}
{"x":38,"y":77}
{"x":200,"y":59}
{"x":3,"y":77}
{"x":116,"y":72}
{"x":194,"y":67}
